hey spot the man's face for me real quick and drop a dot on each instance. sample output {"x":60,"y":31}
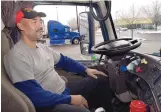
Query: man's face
{"x":32,"y":28}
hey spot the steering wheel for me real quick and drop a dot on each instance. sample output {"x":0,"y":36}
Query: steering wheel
{"x":113,"y":48}
{"x":116,"y":47}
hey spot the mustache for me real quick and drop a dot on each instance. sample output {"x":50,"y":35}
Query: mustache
{"x":39,"y":30}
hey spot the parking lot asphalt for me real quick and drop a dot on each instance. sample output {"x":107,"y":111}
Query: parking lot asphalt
{"x":151,"y":42}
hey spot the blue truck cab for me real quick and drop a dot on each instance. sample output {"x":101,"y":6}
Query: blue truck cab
{"x":61,"y":34}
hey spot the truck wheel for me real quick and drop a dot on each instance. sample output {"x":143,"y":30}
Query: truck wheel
{"x":75,"y":41}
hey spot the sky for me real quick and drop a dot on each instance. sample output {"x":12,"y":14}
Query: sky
{"x":118,"y":5}
{"x":65,"y":13}
{"x":62,"y":13}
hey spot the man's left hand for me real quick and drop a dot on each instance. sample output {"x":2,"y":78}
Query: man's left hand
{"x":93,"y":73}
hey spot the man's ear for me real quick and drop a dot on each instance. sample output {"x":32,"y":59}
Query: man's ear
{"x":20,"y":26}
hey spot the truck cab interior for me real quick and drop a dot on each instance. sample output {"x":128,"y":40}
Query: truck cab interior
{"x":132,"y":75}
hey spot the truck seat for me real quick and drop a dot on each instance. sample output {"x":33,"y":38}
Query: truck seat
{"x":12,"y":99}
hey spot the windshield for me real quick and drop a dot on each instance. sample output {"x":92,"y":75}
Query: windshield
{"x":129,"y":17}
{"x":141,"y":20}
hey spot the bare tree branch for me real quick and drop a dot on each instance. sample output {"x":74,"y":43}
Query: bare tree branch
{"x":131,"y":16}
{"x":73,"y":24}
{"x":153,"y":12}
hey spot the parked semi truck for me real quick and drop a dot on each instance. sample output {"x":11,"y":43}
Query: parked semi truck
{"x":61,"y":34}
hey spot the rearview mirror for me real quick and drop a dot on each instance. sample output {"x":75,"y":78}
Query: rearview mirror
{"x":86,"y":29}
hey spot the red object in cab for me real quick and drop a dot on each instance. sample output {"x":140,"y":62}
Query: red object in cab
{"x":137,"y":106}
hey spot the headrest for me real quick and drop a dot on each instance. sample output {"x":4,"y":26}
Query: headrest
{"x":2,"y":25}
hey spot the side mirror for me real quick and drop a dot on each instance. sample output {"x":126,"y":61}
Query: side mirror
{"x":86,"y":29}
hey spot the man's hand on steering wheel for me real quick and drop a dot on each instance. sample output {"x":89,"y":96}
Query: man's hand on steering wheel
{"x":93,"y":73}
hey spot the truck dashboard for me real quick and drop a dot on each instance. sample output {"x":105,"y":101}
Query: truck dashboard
{"x":144,"y":85}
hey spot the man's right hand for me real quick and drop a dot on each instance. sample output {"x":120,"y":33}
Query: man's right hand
{"x":79,"y":100}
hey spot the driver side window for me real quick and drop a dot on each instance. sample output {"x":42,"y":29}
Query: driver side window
{"x":70,"y":50}
{"x":67,"y":30}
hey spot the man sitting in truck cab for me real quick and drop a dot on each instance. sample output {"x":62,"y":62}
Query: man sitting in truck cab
{"x":30,"y":67}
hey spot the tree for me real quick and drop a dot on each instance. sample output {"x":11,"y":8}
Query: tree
{"x":130,"y":17}
{"x":73,"y":24}
{"x":153,"y":12}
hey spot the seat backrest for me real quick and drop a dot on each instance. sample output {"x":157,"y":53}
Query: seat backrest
{"x":12,"y":100}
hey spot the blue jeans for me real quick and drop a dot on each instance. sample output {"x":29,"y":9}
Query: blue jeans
{"x":96,"y":91}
